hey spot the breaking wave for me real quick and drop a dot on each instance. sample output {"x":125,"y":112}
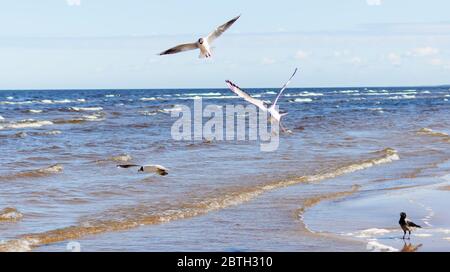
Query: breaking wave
{"x":37,"y":173}
{"x":43,"y":101}
{"x":301,"y":100}
{"x":10,"y":215}
{"x":28,"y":123}
{"x":429,"y":132}
{"x":99,"y":116}
{"x":85,"y":109}
{"x":116,"y":158}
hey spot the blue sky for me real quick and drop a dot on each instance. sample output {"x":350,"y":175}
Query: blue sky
{"x":69,"y":44}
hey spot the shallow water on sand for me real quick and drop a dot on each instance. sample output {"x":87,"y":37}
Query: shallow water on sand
{"x":354,"y":156}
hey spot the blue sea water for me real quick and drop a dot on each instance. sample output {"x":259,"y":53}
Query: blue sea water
{"x":60,"y":149}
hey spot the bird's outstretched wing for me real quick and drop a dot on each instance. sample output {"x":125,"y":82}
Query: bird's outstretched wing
{"x":235,"y":89}
{"x":282,"y":88}
{"x":161,"y":170}
{"x":180,"y":48}
{"x":221,"y":29}
{"x":412,"y":224}
{"x":127,"y":165}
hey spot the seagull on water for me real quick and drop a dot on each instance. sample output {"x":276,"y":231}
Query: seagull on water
{"x":204,"y":43}
{"x":275,"y":114}
{"x":151,"y":168}
{"x":407,"y":225}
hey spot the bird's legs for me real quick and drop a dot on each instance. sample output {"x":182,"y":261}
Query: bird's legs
{"x":409,"y":235}
{"x":404,"y":234}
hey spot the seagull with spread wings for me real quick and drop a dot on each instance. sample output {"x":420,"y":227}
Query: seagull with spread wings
{"x":261,"y":104}
{"x":204,"y":44}
{"x":151,"y":168}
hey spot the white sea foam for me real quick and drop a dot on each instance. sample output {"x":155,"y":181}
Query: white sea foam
{"x":28,"y":123}
{"x":208,"y":97}
{"x":43,"y":101}
{"x":48,"y":133}
{"x":375,"y":246}
{"x":349,"y":91}
{"x":10,"y":214}
{"x":147,"y":113}
{"x":302,"y":100}
{"x":65,"y":101}
{"x":310,"y":94}
{"x":369,"y":233}
{"x":15,"y":102}
{"x":203,"y":94}
{"x":19,"y":245}
{"x":148,"y":99}
{"x":110,"y":95}
{"x":223,"y":97}
{"x":445,"y":231}
{"x":94,"y":117}
{"x":305,"y":94}
{"x":404,"y":96}
{"x":423,"y":234}
{"x":35,"y":111}
{"x":86,"y":109}
{"x":175,"y":108}
{"x":380,"y":110}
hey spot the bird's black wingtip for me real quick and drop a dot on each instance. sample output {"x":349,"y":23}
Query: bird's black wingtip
{"x":231,"y":84}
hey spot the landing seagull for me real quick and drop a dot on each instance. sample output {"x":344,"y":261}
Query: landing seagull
{"x":152,"y":168}
{"x":203,"y":43}
{"x":407,"y":225}
{"x":261,"y":104}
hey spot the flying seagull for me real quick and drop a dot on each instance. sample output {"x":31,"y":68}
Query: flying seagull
{"x":407,"y":225}
{"x":259,"y":103}
{"x":152,"y":168}
{"x":203,"y":43}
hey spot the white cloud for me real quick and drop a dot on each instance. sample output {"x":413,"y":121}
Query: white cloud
{"x":342,"y":53}
{"x":374,"y":2}
{"x":268,"y":61}
{"x":424,"y":51}
{"x":301,"y":55}
{"x":355,"y":61}
{"x":436,"y":61}
{"x":73,"y":2}
{"x":394,"y":58}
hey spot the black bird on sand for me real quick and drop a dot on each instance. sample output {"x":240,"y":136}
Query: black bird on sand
{"x":407,"y":225}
